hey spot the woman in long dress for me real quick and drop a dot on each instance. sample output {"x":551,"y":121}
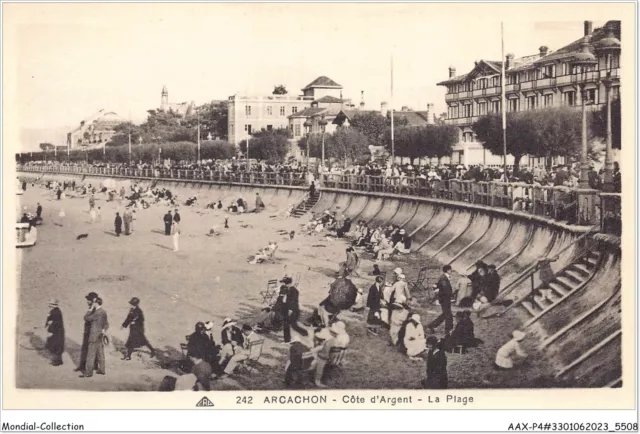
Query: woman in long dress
{"x":414,"y":340}
{"x":55,"y":327}
{"x":175,"y":234}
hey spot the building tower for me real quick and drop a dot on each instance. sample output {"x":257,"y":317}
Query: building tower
{"x":164,"y":100}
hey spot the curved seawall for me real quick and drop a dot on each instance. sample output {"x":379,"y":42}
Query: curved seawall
{"x":579,"y":334}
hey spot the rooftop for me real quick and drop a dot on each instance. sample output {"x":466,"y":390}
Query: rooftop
{"x":322,"y":81}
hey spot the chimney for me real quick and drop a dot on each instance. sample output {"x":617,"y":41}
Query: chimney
{"x":509,"y":61}
{"x":588,"y":28}
{"x":452,"y":72}
{"x":362,"y":100}
{"x":543,"y":50}
{"x":404,"y":108}
{"x":383,"y":109}
{"x":430,"y":114}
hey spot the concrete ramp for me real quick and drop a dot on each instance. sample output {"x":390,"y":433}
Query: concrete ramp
{"x":519,"y":236}
{"x":475,"y":231}
{"x":341,"y":203}
{"x":460,"y":221}
{"x":437,"y":224}
{"x":497,"y":233}
{"x":373,"y":207}
{"x":356,"y":205}
{"x":539,"y":246}
{"x":326,"y":201}
{"x":422,"y":217}
{"x":388,"y":209}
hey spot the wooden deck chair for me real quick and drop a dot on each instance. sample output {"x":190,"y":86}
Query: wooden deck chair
{"x":336,"y":356}
{"x":255,"y":352}
{"x":270,"y":292}
{"x":418,"y":283}
{"x":272,"y":255}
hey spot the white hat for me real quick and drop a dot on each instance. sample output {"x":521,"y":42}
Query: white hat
{"x":338,"y":327}
{"x":415,"y":317}
{"x":324,"y":334}
{"x":208,"y":325}
{"x":398,"y":270}
{"x":401,"y":276}
{"x":402,"y":231}
{"x":228,"y":322}
{"x":518,"y":335}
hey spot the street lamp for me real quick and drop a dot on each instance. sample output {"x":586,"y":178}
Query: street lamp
{"x":307,"y":130}
{"x":609,"y":46}
{"x":323,"y":125}
{"x":582,"y":62}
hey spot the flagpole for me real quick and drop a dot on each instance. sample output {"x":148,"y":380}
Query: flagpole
{"x":393,"y":143}
{"x":503,"y":104}
{"x":129,"y":137}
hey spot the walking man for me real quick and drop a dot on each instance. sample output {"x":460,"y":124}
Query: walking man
{"x":288,"y":307}
{"x":55,"y":327}
{"x":99,"y":324}
{"x":85,"y":337}
{"x":118,"y":224}
{"x":39,"y":211}
{"x":168,"y":220}
{"x":373,"y":303}
{"x":444,"y":298}
{"x":135,"y":322}
{"x":176,"y":216}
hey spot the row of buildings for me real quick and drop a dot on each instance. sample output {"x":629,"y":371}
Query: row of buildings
{"x":545,"y":79}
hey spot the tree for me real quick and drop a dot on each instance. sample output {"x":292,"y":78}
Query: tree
{"x":46,"y":146}
{"x":271,"y":146}
{"x":425,"y":141}
{"x":539,"y":133}
{"x":347,"y":145}
{"x":373,"y":125}
{"x":280,"y":90}
{"x":599,"y":123}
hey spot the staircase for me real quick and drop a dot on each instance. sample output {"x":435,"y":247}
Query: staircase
{"x":563,"y":283}
{"x":306,"y":205}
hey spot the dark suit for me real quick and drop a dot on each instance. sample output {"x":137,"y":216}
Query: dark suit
{"x":168,"y":220}
{"x":176,"y":217}
{"x":373,"y":303}
{"x":288,"y":307}
{"x":437,"y":377}
{"x":95,"y":352}
{"x":135,"y":322}
{"x":444,"y":298}
{"x":55,"y":342}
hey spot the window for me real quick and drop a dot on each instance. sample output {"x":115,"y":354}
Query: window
{"x":247,"y":110}
{"x":467,"y":137}
{"x":282,"y":111}
{"x":615,"y":61}
{"x":569,"y":98}
{"x":496,"y":81}
{"x":549,"y":71}
{"x":269,"y":110}
{"x":294,"y":109}
{"x":468,"y":110}
{"x":269,"y":127}
{"x":247,"y":129}
{"x":482,"y":108}
{"x":495,"y":106}
{"x":566,"y":68}
{"x":296,"y":130}
{"x":548,"y":100}
{"x":531,"y":102}
{"x":513,"y":105}
{"x":591,"y":96}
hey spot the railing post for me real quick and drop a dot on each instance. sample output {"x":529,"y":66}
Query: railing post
{"x":586,"y":206}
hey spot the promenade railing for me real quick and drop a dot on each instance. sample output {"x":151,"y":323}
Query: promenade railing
{"x":262,"y":178}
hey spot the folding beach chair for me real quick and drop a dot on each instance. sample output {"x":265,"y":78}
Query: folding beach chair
{"x":336,"y":356}
{"x":255,"y":352}
{"x":419,"y":282}
{"x":270,"y":292}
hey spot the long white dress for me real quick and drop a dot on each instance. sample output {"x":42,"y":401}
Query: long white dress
{"x":414,"y":340}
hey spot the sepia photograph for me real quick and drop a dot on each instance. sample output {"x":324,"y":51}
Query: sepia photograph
{"x":316,"y":197}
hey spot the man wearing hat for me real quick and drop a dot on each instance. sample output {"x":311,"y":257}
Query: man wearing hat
{"x":168,"y":220}
{"x":374,"y":303}
{"x":200,"y":346}
{"x":445,"y":291}
{"x":55,"y":327}
{"x":510,"y":351}
{"x":288,"y":307}
{"x":97,"y":317}
{"x":242,"y":352}
{"x":135,"y":322}
{"x":85,"y":337}
{"x":437,"y":377}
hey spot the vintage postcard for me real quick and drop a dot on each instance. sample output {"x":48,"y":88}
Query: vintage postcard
{"x":319,"y":206}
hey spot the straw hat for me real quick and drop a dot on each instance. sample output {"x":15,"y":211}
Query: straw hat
{"x":518,"y":335}
{"x":208,"y":325}
{"x":338,"y":327}
{"x":415,"y":317}
{"x":228,"y":322}
{"x":54,"y":302}
{"x":401,"y":276}
{"x":398,"y":270}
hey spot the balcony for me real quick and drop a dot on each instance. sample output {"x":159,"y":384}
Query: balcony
{"x":513,"y":88}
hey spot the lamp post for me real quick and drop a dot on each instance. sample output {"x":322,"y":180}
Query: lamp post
{"x":609,"y":46}
{"x":198,"y":112}
{"x":323,"y":125}
{"x":582,"y":63}
{"x":307,"y":129}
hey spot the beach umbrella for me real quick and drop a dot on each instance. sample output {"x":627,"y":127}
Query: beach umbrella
{"x":343,"y":293}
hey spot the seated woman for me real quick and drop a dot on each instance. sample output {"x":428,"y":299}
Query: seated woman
{"x":191,"y":201}
{"x":511,"y":354}
{"x":404,"y":245}
{"x":384,"y":249}
{"x":463,"y":335}
{"x":265,"y":253}
{"x":346,"y":227}
{"x":232,"y":207}
{"x":414,"y":340}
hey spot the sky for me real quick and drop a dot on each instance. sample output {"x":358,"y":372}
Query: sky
{"x":72,"y":60}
